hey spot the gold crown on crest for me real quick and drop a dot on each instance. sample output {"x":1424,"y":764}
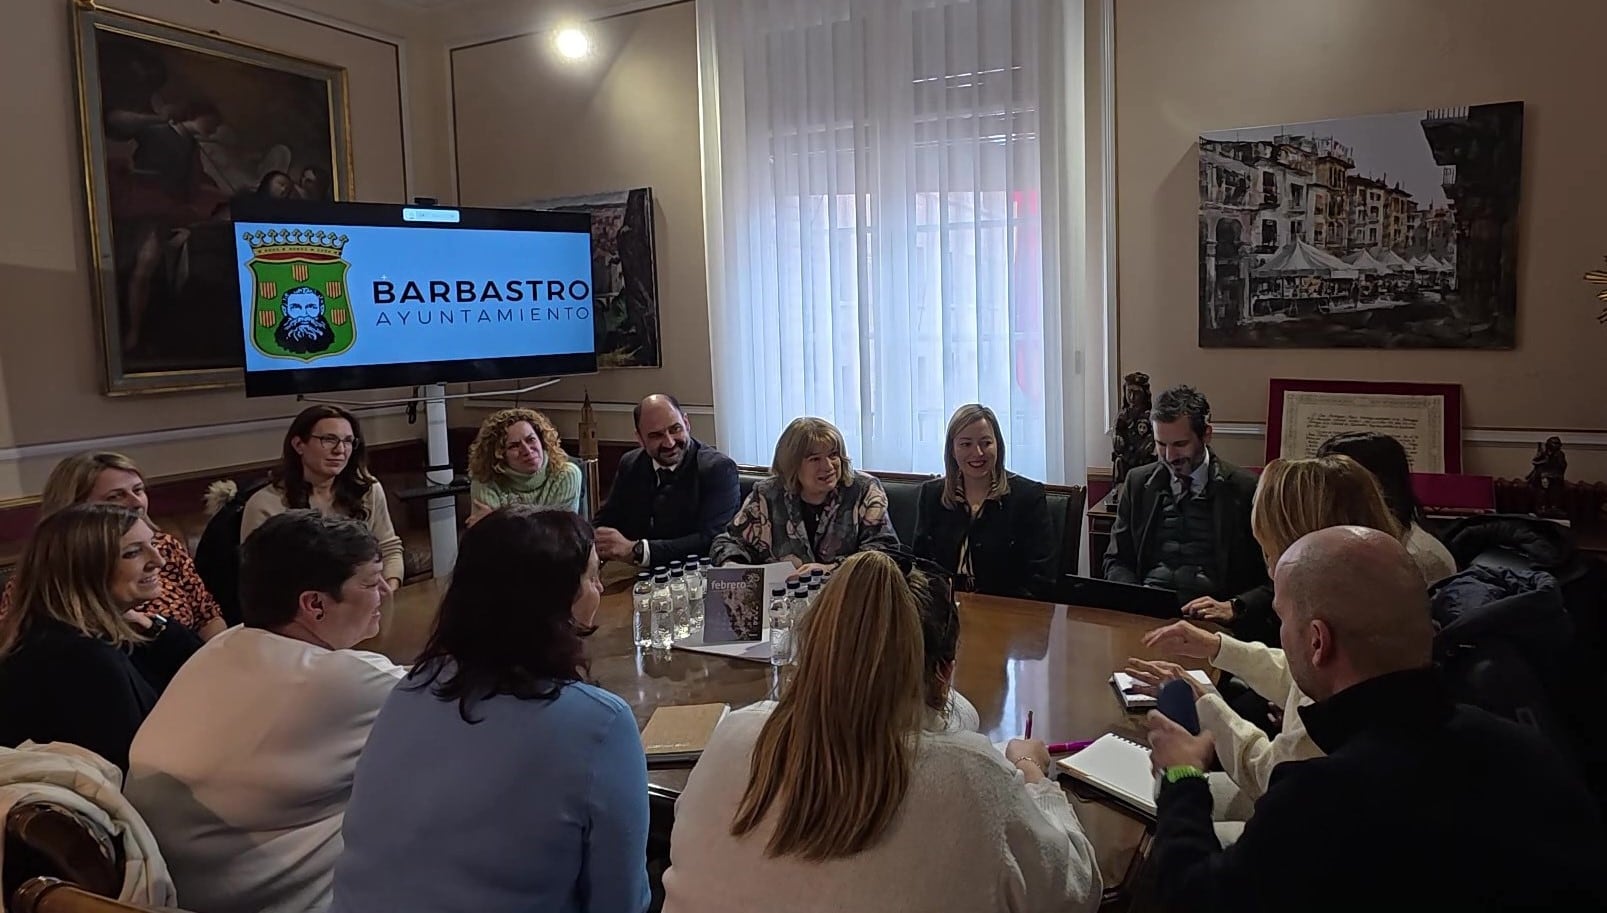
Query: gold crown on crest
{"x":295,"y":240}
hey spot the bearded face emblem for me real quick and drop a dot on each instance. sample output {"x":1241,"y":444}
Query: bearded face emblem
{"x":302,"y":327}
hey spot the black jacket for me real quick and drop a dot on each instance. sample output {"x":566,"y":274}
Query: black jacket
{"x":61,"y":686}
{"x":1242,"y":569}
{"x":680,"y":519}
{"x":1420,"y":804}
{"x":1013,"y":545}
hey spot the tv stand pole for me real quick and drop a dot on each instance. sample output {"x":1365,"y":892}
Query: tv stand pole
{"x":443,"y":509}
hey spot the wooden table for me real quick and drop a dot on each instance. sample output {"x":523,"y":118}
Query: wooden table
{"x":1014,"y":656}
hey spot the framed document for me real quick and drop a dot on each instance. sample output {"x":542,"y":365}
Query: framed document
{"x":1425,"y":418}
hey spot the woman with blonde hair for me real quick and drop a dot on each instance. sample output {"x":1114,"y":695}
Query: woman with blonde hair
{"x":829,"y":799}
{"x":517,"y":458}
{"x":1292,"y":499}
{"x":77,"y":663}
{"x":814,"y":510}
{"x":104,"y":477}
{"x":985,"y":525}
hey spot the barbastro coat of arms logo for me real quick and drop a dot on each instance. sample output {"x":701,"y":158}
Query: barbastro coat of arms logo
{"x":300,"y":308}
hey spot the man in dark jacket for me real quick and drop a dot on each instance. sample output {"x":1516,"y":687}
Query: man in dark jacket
{"x":1183,"y":523}
{"x":1419,"y":804}
{"x":671,"y":496}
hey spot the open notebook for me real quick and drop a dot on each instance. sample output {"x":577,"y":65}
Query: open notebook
{"x":678,"y":734}
{"x":1122,"y":681}
{"x":1117,"y":767}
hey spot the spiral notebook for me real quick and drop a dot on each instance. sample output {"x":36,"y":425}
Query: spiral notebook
{"x":1118,"y":767}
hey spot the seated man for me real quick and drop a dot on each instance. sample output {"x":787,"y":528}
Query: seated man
{"x":1420,"y":804}
{"x":671,"y":496}
{"x":1183,"y":523}
{"x":244,"y":768}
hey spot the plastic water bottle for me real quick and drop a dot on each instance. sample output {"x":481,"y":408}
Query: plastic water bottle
{"x":797,"y":611}
{"x":663,"y":612}
{"x":678,"y":601}
{"x":780,"y":627}
{"x":642,"y":610}
{"x":697,"y":586}
{"x":814,"y":592}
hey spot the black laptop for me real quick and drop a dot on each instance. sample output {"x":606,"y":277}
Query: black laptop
{"x":1122,"y":597}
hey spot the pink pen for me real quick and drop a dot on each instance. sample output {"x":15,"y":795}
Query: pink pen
{"x":1028,"y":733}
{"x":1069,"y":747}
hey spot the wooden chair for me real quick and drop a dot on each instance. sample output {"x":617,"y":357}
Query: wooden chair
{"x":45,"y":839}
{"x":1066,"y":504}
{"x":51,"y":895}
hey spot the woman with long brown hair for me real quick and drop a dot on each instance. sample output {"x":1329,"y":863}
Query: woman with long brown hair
{"x":77,"y":663}
{"x":850,"y":793}
{"x":324,"y":466}
{"x":104,"y":477}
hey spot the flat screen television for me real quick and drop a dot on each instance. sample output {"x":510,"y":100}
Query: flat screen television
{"x":345,"y":296}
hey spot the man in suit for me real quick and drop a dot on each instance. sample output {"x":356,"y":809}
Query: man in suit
{"x":1417,"y":804}
{"x":671,"y":496}
{"x":1183,"y":523}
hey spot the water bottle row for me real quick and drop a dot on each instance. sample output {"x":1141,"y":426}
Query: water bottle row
{"x":788,"y":608}
{"x":667,"y":603}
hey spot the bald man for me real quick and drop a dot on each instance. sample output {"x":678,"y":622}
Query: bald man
{"x":1419,"y":804}
{"x":671,"y":496}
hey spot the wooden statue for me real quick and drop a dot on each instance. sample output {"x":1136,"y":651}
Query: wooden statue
{"x":1550,"y":465}
{"x":1133,"y":442}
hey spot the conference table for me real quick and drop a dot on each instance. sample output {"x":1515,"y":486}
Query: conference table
{"x":1014,"y":656}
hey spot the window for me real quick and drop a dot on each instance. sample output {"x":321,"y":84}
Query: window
{"x":1269,"y":188}
{"x":1269,"y":233}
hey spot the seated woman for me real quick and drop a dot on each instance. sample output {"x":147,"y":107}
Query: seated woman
{"x":940,"y":640}
{"x":987,"y":526}
{"x":516,"y":458}
{"x":496,"y":779}
{"x":1385,"y":458}
{"x":915,"y":817}
{"x":111,"y":478}
{"x":324,"y":466}
{"x":1293,"y":498}
{"x":77,"y":663}
{"x":813,"y":511}
{"x":254,"y":743}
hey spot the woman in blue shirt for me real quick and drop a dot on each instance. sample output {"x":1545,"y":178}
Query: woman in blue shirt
{"x":495,"y":778}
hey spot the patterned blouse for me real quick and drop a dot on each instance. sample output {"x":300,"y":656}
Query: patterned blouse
{"x":185,"y":600}
{"x":770,"y":526}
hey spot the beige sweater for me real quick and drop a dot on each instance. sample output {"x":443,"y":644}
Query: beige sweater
{"x":969,"y":836}
{"x":269,"y":501}
{"x":1247,"y":755}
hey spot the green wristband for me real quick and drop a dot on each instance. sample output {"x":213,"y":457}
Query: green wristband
{"x":1183,"y":772}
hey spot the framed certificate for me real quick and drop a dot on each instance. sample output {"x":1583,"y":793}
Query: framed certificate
{"x":1425,"y":418}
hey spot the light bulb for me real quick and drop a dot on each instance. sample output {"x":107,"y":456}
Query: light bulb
{"x":572,"y":43}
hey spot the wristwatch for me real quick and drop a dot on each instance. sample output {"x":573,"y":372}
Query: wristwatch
{"x":1183,"y":772}
{"x":158,"y":624}
{"x":1237,"y":605}
{"x":637,"y":550}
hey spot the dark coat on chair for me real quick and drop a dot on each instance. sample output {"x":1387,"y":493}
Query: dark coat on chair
{"x":1241,"y":568}
{"x":679,"y":519}
{"x":1013,"y":546}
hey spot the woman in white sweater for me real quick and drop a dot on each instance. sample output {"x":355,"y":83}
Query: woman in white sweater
{"x":911,"y":816}
{"x":1386,"y":459}
{"x":1293,"y":498}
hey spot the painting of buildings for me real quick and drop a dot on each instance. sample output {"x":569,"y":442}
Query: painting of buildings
{"x":1386,"y":231}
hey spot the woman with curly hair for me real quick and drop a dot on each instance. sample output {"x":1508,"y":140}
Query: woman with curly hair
{"x":517,"y":459}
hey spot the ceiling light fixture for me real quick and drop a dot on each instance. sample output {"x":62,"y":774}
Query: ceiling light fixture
{"x":572,"y":43}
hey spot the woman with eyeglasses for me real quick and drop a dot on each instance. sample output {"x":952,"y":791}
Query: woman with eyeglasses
{"x":987,"y":526}
{"x":77,"y":663}
{"x":111,"y":478}
{"x":914,"y":816}
{"x":517,"y":458}
{"x":497,"y":779}
{"x":324,"y":466}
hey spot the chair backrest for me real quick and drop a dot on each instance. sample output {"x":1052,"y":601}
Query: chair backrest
{"x":45,"y":839}
{"x":48,"y":895}
{"x":217,"y":555}
{"x":1066,"y":503}
{"x":660,"y":823}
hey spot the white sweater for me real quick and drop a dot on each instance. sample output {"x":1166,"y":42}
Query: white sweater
{"x":969,"y":836}
{"x":244,"y":768}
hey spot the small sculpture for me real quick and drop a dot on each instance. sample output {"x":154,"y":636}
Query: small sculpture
{"x":1549,"y":464}
{"x":1133,"y":443}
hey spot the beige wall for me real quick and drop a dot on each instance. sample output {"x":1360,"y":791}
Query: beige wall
{"x":1184,"y":67}
{"x":50,"y":368}
{"x":531,"y":126}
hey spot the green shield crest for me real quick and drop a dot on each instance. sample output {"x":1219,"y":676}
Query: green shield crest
{"x":300,"y":308}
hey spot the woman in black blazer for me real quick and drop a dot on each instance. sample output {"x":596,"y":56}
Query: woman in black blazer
{"x":987,"y":526}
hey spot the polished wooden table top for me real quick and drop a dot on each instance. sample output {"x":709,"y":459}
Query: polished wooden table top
{"x":1014,"y":656}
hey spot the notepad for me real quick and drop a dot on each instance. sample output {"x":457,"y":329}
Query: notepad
{"x":1122,"y":681}
{"x":1117,"y":767}
{"x":679,"y":734}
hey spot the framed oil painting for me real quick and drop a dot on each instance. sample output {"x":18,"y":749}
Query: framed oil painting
{"x":176,"y":125}
{"x":1384,"y":231}
{"x":624,"y":274}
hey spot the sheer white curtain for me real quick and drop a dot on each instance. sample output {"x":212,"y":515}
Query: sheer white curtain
{"x":882,"y":179}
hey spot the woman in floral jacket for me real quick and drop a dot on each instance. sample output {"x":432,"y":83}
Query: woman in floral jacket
{"x":813,"y":511}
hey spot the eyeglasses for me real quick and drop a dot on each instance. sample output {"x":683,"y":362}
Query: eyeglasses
{"x":331,"y":441}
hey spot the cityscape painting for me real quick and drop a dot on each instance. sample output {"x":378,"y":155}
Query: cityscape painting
{"x":1385,"y":231}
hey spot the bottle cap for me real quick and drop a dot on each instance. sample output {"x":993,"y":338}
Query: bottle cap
{"x":778,"y":591}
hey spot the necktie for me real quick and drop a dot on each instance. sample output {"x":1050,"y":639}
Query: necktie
{"x":1187,"y":487}
{"x":664,"y":477}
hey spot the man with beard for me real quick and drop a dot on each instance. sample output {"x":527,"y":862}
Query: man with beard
{"x":302,"y":328}
{"x":671,"y":496}
{"x":1183,"y":523}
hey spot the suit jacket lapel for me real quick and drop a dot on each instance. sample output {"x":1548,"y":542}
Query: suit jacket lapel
{"x":1150,"y":505}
